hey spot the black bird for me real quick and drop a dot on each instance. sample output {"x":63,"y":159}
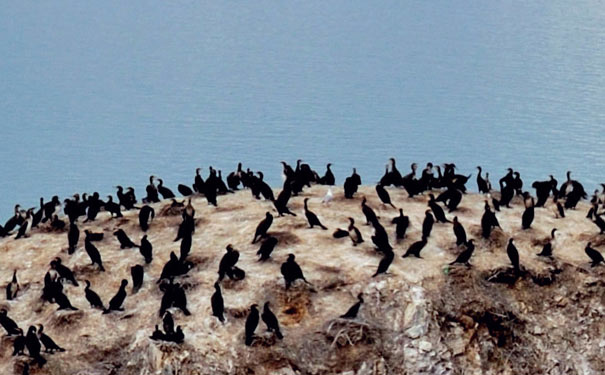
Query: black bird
{"x":186,"y":243}
{"x":63,"y":271}
{"x":312,"y":218}
{"x":152,"y":192}
{"x":594,"y":255}
{"x":92,"y":236}
{"x":357,"y":238}
{"x":116,"y":302}
{"x":481,"y":183}
{"x":488,"y":221}
{"x":251,"y":324}
{"x":57,"y":223}
{"x":427,"y":224}
{"x":168,"y":323}
{"x":33,"y":346}
{"x":437,"y":210}
{"x":8,"y":324}
{"x":266,"y":248}
{"x":385,"y":262}
{"x":354,"y":310}
{"x":146,"y":249}
{"x":380,"y":237}
{"x":157,"y":334}
{"x":415,"y":248}
{"x":94,"y":254}
{"x":560,"y":210}
{"x":328,"y":177}
{"x":234,"y":178}
{"x":513,"y":255}
{"x":137,"y":273}
{"x":271,"y":321}
{"x":73,"y":235}
{"x":351,"y":185}
{"x":402,"y":223}
{"x":184,"y":190}
{"x":384,"y":196}
{"x":50,"y":208}
{"x":112,"y":207}
{"x":125,"y":241}
{"x":19,"y":344}
{"x":25,"y":225}
{"x":15,"y":220}
{"x":547,"y":249}
{"x":281,"y":203}
{"x":465,"y":256}
{"x":598,"y":220}
{"x":49,"y":344}
{"x":218,"y":305}
{"x":12,"y":288}
{"x":263,"y":227}
{"x":227,"y":262}
{"x":368,"y":212}
{"x":37,"y":216}
{"x":92,"y":297}
{"x":179,"y":298}
{"x":178,"y":336}
{"x":166,"y":193}
{"x":63,"y":302}
{"x":528,"y":214}
{"x":459,"y":232}
{"x":291,"y":271}
{"x":146,"y":215}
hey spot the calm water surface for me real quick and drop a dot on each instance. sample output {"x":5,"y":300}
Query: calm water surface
{"x":94,"y":95}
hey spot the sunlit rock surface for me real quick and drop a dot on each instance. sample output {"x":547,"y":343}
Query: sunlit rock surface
{"x":424,"y":316}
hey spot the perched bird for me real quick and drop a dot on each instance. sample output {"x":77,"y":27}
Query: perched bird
{"x":595,"y":257}
{"x":465,"y":256}
{"x":271,"y":321}
{"x":291,"y":271}
{"x":311,"y":217}
{"x":513,"y":255}
{"x":263,"y":227}
{"x":459,"y":232}
{"x":548,"y":246}
{"x":356,"y":236}
{"x":116,"y":302}
{"x":33,"y":346}
{"x":267,"y":247}
{"x":427,"y":224}
{"x":218,"y":307}
{"x":228,"y":262}
{"x":19,"y":343}
{"x":385,"y":262}
{"x":384,"y":196}
{"x":329,"y":197}
{"x":415,"y":248}
{"x":251,"y":324}
{"x":8,"y":324}
{"x":353,"y":310}
{"x":49,"y":345}
{"x":146,"y":249}
{"x":12,"y":288}
{"x":402,"y":223}
{"x":92,"y":297}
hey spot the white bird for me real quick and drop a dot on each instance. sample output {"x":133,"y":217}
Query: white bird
{"x":328,"y":197}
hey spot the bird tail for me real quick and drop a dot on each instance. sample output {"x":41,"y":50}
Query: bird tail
{"x":279,"y":334}
{"x":248,"y":340}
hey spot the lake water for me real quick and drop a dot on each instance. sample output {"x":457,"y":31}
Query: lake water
{"x":94,"y":95}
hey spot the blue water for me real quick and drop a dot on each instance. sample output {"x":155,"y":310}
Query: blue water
{"x":94,"y":95}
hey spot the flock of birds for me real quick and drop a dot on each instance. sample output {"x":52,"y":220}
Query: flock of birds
{"x":450,"y":185}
